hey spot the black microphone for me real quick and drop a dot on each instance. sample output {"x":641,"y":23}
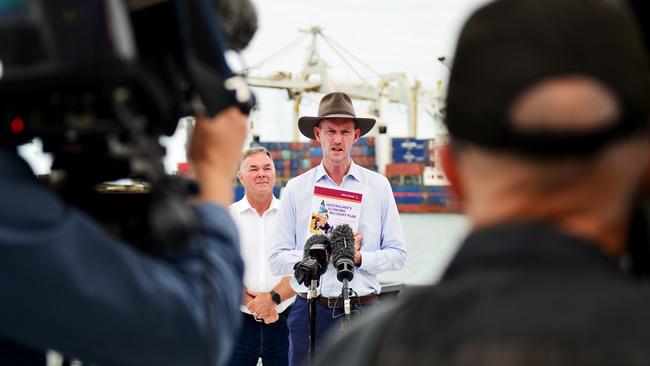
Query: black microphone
{"x":315,"y":259}
{"x":318,"y":247}
{"x":342,"y":240}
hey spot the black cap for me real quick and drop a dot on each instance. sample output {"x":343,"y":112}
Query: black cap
{"x":509,"y":45}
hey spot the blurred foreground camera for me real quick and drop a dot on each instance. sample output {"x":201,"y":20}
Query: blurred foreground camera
{"x":99,"y":81}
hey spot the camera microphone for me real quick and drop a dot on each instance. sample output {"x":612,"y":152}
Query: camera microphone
{"x":315,"y":259}
{"x":342,"y":240}
{"x":318,"y":247}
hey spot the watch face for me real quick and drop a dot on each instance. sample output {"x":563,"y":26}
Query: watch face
{"x":276,"y":297}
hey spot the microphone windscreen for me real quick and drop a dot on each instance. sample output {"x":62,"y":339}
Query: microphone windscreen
{"x":315,"y":239}
{"x":342,"y":240}
{"x":239,"y":22}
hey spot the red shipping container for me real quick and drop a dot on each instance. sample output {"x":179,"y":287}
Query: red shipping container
{"x":397,"y":169}
{"x":315,"y":161}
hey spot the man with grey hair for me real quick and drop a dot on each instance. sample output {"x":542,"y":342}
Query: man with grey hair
{"x":267,"y":298}
{"x":548,"y":112}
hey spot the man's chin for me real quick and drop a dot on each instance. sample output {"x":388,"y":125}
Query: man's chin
{"x":338,"y":156}
{"x":262,"y":187}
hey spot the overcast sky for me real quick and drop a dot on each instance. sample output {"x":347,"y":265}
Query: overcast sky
{"x":390,"y":36}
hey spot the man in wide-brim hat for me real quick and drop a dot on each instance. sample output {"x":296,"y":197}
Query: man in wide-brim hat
{"x":337,"y":128}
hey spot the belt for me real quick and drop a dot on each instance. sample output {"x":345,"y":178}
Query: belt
{"x":337,"y":302}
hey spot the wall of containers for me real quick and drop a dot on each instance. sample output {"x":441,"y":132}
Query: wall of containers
{"x":417,"y":180}
{"x":413,"y":175}
{"x":294,"y":158}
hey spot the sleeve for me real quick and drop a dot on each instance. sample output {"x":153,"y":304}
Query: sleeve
{"x":70,"y":286}
{"x":285,"y":252}
{"x":391,"y":255}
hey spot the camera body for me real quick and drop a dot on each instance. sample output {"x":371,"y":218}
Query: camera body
{"x":99,"y":82}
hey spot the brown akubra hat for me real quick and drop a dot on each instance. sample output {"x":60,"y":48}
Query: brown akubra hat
{"x":334,"y":105}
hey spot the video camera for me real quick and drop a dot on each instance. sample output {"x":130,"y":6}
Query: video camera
{"x":99,"y":81}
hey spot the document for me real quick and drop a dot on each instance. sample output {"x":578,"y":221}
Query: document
{"x":332,"y":207}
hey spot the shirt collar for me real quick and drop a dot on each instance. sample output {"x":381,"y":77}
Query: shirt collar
{"x":354,"y":172}
{"x":243,"y":204}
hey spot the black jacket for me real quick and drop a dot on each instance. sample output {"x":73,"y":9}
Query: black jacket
{"x":521,"y":294}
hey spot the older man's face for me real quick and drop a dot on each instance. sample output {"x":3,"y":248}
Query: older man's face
{"x":258,"y":174}
{"x":336,"y":136}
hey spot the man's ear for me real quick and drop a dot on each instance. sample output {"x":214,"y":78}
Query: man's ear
{"x":317,"y":133}
{"x":240,"y":176}
{"x":449,"y":161}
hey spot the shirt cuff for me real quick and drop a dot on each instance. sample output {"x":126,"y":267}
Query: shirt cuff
{"x":368,"y":261}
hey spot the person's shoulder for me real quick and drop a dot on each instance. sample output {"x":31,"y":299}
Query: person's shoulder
{"x":372,"y":175}
{"x":235,"y":207}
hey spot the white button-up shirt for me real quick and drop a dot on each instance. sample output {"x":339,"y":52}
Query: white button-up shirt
{"x":382,"y":246}
{"x":255,"y":233}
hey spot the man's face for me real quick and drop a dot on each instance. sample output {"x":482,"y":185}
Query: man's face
{"x":258,"y":174}
{"x":336,"y":137}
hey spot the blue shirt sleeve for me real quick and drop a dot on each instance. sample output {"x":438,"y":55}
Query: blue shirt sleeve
{"x":391,"y":255}
{"x":285,"y":252}
{"x":68,"y":285}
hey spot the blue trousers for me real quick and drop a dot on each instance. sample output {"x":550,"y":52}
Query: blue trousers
{"x":268,"y":341}
{"x":327,"y":320}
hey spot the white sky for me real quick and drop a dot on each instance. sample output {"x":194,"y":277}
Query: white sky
{"x":390,"y":36}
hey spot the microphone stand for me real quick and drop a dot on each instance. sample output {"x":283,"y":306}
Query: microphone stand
{"x":346,"y":300}
{"x":311,"y":303}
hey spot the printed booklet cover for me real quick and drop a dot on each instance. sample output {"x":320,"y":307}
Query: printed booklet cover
{"x":332,"y":207}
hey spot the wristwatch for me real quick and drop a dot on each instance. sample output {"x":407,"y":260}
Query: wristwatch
{"x":276,"y":297}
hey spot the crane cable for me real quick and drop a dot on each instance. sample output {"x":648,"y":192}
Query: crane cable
{"x":334,"y":45}
{"x":283,"y":49}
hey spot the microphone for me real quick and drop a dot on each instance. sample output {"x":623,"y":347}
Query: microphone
{"x":318,"y":247}
{"x":315,"y":260}
{"x":342,"y":241}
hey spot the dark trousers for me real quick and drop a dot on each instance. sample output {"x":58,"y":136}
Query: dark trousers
{"x":268,"y":341}
{"x":327,"y":320}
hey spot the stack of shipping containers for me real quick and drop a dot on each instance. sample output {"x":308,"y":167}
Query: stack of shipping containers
{"x":418,"y":184}
{"x":294,"y":158}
